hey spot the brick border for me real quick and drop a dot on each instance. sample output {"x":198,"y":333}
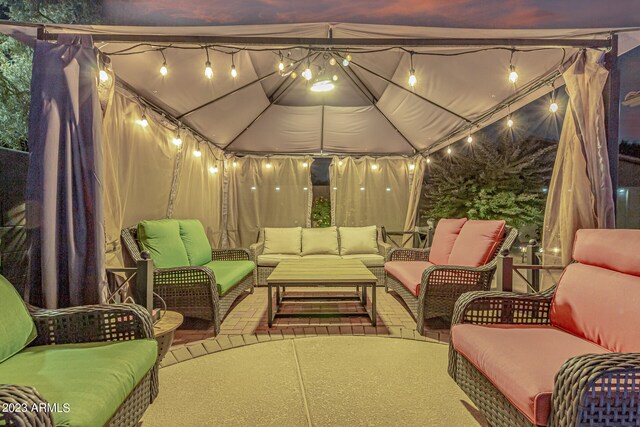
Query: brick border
{"x":184,"y":352}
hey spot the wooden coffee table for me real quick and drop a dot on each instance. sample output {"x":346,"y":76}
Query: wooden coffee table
{"x":321,"y":274}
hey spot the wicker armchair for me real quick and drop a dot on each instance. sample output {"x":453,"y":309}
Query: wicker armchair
{"x":192,"y":291}
{"x":597,"y":385}
{"x":442,"y":285}
{"x":85,"y":324}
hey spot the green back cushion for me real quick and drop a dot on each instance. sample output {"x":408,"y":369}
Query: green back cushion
{"x":195,"y":241}
{"x":161,"y":238}
{"x":16,"y":325}
{"x":229,"y":273}
{"x":358,"y":240}
{"x":282,"y":240}
{"x":320,"y":241}
{"x":93,"y":379}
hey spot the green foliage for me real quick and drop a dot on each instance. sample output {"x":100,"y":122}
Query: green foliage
{"x":491,"y":180}
{"x":321,"y":212}
{"x":16,"y":58}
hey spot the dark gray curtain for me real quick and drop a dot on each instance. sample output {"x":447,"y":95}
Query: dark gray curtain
{"x":64,"y":187}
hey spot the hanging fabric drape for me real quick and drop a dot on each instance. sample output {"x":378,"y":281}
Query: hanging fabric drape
{"x":266,"y":192}
{"x":580,"y":193}
{"x":65,"y":187}
{"x":139,"y":169}
{"x":415,"y":191}
{"x":372,"y":191}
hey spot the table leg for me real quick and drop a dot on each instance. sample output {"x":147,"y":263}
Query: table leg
{"x":270,"y":306}
{"x":373,"y":305}
{"x":278,"y":300}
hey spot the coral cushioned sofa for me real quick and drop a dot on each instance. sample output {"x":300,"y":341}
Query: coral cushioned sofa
{"x":92,"y":365}
{"x":569,"y":356}
{"x":462,"y":258}
{"x":278,"y":244}
{"x":192,"y":278}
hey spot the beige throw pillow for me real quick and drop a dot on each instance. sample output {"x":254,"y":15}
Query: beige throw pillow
{"x":282,"y":240}
{"x":358,"y":240}
{"x":317,"y":241}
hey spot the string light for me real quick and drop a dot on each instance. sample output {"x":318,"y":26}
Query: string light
{"x":513,"y":74}
{"x":197,"y":152}
{"x":163,"y":69}
{"x":361,"y":188}
{"x":428,"y":159}
{"x":412,"y":73}
{"x":104,"y":76}
{"x":234,"y":72}
{"x":374,"y":166}
{"x":553,"y":107}
{"x":340,"y":163}
{"x":235,"y":164}
{"x":332,"y":61}
{"x":349,"y":57}
{"x":268,"y":165}
{"x":306,"y":188}
{"x":412,"y":166}
{"x":281,"y":63}
{"x":388,"y":188}
{"x":509,"y":121}
{"x":253,"y":188}
{"x":177,"y":141}
{"x":213,"y":169}
{"x":449,"y":150}
{"x":277,"y":188}
{"x":307,"y":74}
{"x":143,"y":121}
{"x":294,"y":75}
{"x":305,"y":164}
{"x":208,"y":71}
{"x":335,"y":78}
{"x":469,"y":139}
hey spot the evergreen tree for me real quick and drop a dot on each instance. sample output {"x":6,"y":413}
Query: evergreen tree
{"x":16,"y":58}
{"x":505,"y":179}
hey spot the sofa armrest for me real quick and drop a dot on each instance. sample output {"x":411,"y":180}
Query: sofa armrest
{"x":230,"y":254}
{"x":256,"y":250}
{"x":405,"y":254}
{"x":16,"y":403}
{"x":495,"y":307}
{"x":384,"y":248}
{"x":92,"y":323}
{"x":594,"y":389}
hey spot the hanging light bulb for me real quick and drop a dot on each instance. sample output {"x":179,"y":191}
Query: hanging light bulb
{"x":469,"y":139}
{"x":307,"y":74}
{"x":332,"y":61}
{"x":294,"y":75}
{"x":412,"y":166}
{"x":335,"y":78}
{"x":509,"y":121}
{"x":553,"y":107}
{"x":213,"y":169}
{"x":235,"y":164}
{"x":281,"y":63}
{"x":234,"y":72}
{"x":345,"y":62}
{"x":177,"y":141}
{"x":349,"y":58}
{"x":449,"y":150}
{"x":305,"y":164}
{"x":197,"y":152}
{"x":340,"y":163}
{"x":412,"y":73}
{"x":143,"y":121}
{"x":428,"y":159}
{"x":268,"y":165}
{"x":104,"y":76}
{"x":208,"y":71}
{"x":163,"y":69}
{"x":513,"y":74}
{"x":374,"y":167}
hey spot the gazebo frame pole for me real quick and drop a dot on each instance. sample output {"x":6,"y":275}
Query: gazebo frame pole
{"x":612,"y":114}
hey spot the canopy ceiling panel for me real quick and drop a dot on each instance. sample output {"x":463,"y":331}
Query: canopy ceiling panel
{"x":361,"y":130}
{"x":263,"y":110}
{"x":283,"y":129}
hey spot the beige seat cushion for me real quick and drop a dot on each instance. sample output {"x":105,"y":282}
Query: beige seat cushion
{"x":370,"y":260}
{"x":358,"y":240}
{"x":323,"y":256}
{"x":282,"y":240}
{"x":318,"y":241}
{"x":271,"y":260}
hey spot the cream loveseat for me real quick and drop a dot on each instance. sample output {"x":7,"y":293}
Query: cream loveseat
{"x":279,"y":244}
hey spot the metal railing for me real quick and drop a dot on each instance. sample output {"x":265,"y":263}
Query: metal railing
{"x":531,"y":263}
{"x":137,"y":285}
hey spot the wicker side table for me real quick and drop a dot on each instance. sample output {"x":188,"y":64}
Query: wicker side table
{"x":164,"y":330}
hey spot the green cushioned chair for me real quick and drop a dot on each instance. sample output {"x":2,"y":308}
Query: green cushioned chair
{"x":83,"y":366}
{"x":189,"y":276}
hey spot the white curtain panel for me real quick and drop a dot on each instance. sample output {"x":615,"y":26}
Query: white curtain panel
{"x":580,"y":193}
{"x":373,"y":191}
{"x":266,"y":192}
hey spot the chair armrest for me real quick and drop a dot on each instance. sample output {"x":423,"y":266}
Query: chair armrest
{"x":495,"y":307}
{"x":404,"y":254}
{"x":256,"y":250}
{"x":384,"y":248}
{"x":92,"y":323}
{"x":230,"y":254}
{"x":185,"y":277}
{"x":597,"y":388}
{"x":16,"y":403}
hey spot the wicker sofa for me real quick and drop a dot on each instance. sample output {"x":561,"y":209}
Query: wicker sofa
{"x":462,"y":258}
{"x":277,"y":244}
{"x":189,"y":276}
{"x":569,"y":356}
{"x":72,"y":358}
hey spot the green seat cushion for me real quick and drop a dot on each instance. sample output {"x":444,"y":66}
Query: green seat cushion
{"x":92,"y":378}
{"x":16,"y":325}
{"x":195,"y":241}
{"x":161,"y":238}
{"x":229,"y":273}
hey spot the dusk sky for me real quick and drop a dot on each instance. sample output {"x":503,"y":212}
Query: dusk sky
{"x":446,"y":13}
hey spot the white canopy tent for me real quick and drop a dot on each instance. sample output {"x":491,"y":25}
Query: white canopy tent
{"x":373,"y":113}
